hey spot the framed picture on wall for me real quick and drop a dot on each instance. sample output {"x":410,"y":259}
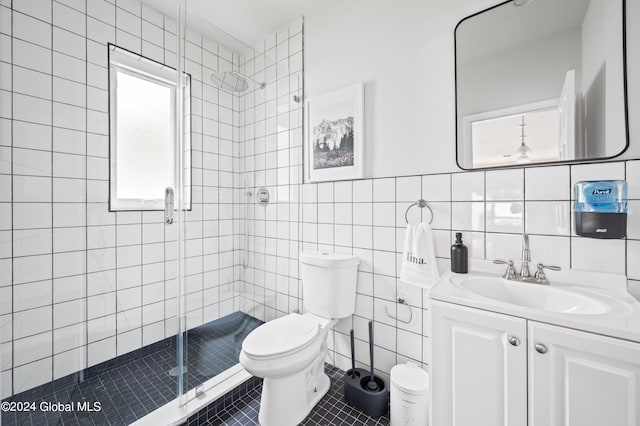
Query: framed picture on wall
{"x":334,"y":135}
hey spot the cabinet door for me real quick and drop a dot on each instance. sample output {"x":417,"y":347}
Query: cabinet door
{"x":477,"y":376}
{"x":582,"y":379}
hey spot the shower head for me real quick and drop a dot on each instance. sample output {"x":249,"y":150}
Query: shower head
{"x":233,"y":82}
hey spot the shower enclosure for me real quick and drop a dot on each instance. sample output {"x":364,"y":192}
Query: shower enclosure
{"x":116,"y":306}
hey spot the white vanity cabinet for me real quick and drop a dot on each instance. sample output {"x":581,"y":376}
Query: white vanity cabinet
{"x":478,"y":377}
{"x":582,"y":379}
{"x":495,"y":369}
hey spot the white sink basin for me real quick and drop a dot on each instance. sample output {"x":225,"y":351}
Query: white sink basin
{"x":570,"y":300}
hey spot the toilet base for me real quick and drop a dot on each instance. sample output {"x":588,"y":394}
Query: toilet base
{"x":282,"y":403}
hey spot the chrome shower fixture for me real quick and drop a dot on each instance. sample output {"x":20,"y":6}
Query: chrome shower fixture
{"x":233,"y":82}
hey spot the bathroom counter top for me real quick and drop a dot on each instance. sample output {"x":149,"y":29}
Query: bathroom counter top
{"x":621,"y":319}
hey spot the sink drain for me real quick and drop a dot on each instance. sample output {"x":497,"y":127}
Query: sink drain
{"x":174,"y":371}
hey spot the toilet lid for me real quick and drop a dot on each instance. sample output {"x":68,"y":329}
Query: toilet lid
{"x":289,"y":333}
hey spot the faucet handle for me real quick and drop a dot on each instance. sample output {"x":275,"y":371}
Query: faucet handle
{"x":510,"y":272}
{"x":540,"y":275}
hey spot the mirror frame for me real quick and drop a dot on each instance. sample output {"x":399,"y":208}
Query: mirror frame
{"x":544,"y":163}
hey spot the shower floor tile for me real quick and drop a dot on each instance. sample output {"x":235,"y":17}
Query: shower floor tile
{"x":332,"y":410}
{"x":132,"y":385}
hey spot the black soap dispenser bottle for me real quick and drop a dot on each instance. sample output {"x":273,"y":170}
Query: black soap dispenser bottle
{"x":459,"y":256}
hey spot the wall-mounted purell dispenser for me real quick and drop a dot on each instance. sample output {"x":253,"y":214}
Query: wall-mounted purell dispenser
{"x":601,"y":208}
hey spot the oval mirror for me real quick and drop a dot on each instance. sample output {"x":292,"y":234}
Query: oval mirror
{"x":541,"y":81}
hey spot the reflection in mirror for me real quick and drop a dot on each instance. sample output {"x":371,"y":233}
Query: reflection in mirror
{"x":541,"y":81}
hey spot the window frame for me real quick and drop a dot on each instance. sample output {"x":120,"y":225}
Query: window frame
{"x":142,"y":67}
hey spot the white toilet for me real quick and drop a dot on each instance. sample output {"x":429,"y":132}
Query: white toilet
{"x":289,"y":352}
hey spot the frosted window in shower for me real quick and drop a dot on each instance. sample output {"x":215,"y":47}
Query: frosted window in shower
{"x":142,"y":132}
{"x":144,"y":137}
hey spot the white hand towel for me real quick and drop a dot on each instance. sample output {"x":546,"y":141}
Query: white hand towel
{"x":419,"y":257}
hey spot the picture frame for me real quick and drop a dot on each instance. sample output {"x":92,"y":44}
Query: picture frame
{"x":334,"y":135}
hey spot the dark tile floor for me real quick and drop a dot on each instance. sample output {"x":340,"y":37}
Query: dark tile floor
{"x":131,"y":386}
{"x":332,"y":410}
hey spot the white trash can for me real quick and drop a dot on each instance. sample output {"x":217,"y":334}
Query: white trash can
{"x":409,"y":395}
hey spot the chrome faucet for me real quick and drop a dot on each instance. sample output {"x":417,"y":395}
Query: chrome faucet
{"x":525,"y":274}
{"x":526,"y":257}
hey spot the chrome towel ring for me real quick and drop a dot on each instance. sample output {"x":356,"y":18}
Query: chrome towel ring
{"x":422,"y":204}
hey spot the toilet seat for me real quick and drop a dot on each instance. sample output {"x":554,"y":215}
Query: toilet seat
{"x":280,"y":337}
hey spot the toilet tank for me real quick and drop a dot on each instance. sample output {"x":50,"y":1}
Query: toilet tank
{"x":329,"y":283}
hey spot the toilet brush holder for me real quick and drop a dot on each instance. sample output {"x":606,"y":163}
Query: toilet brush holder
{"x":373,"y":403}
{"x":362,"y":388}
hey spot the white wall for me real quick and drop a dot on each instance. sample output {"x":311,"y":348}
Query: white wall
{"x":403,"y":52}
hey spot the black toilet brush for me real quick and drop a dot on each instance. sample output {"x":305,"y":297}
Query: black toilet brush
{"x":372,"y":385}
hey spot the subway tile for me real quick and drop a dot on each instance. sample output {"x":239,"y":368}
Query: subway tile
{"x":69,"y":117}
{"x":79,"y":5}
{"x":467,"y":186}
{"x":69,"y":43}
{"x":69,"y":239}
{"x":31,"y":109}
{"x":384,"y":214}
{"x":69,"y":141}
{"x":507,"y":185}
{"x":69,"y":214}
{"x":32,"y":295}
{"x":68,"y":67}
{"x":69,"y":263}
{"x":550,"y":250}
{"x":40,"y":9}
{"x":69,"y":166}
{"x":32,"y":242}
{"x":69,"y":362}
{"x":633,"y":220}
{"x":633,"y":179}
{"x":633,"y":252}
{"x":69,"y":190}
{"x":102,"y":10}
{"x":32,"y":348}
{"x":151,"y":15}
{"x":128,"y":22}
{"x":31,"y":163}
{"x":590,"y":254}
{"x":30,"y":135}
{"x":69,"y":18}
{"x":32,"y":268}
{"x":408,"y":189}
{"x":102,"y":33}
{"x":32,"y":322}
{"x":31,"y":375}
{"x":384,"y":190}
{"x":69,"y":92}
{"x":69,"y":288}
{"x":33,"y":83}
{"x":468,"y":216}
{"x":548,"y":217}
{"x":5,"y":76}
{"x":101,"y":351}
{"x":505,"y":217}
{"x":504,"y":247}
{"x":32,"y":30}
{"x":31,"y":189}
{"x":363,"y":191}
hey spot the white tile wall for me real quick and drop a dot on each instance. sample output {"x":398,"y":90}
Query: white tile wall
{"x":64,"y":253}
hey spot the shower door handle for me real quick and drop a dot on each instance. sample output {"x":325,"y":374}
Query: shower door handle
{"x":168,"y":205}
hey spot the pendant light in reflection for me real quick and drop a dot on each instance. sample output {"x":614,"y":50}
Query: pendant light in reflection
{"x":523,"y":153}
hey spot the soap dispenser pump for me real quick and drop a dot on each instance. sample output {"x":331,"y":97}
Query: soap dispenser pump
{"x":459,"y":256}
